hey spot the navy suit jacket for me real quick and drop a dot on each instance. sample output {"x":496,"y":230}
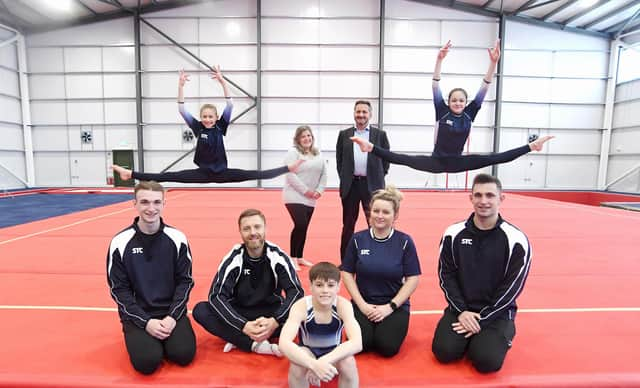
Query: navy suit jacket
{"x":376,"y":167}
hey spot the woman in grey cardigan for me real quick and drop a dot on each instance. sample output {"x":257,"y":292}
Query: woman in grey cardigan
{"x":303,"y":188}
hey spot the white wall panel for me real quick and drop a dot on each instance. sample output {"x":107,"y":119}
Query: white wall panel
{"x":417,"y":10}
{"x":317,"y":8}
{"x":526,"y":89}
{"x":410,"y":59}
{"x":85,"y":112}
{"x":115,"y":31}
{"x":572,"y":172}
{"x":349,"y":31}
{"x":626,"y":114}
{"x":525,"y":36}
{"x":48,"y":112}
{"x":352,"y":58}
{"x":526,"y":172}
{"x":625,"y":141}
{"x":52,"y":169}
{"x":84,"y":86}
{"x":11,"y":110}
{"x":181,"y":30}
{"x":211,"y":8}
{"x":280,"y":31}
{"x":465,"y":33}
{"x":342,"y":112}
{"x":620,"y":165}
{"x":515,"y":137}
{"x":461,"y":61}
{"x":119,"y":85}
{"x":575,"y":116}
{"x":166,"y":85}
{"x":45,"y":59}
{"x":87,"y":168}
{"x":228,"y":31}
{"x":584,"y":91}
{"x":525,"y":115}
{"x":165,"y":111}
{"x":628,"y":90}
{"x":166,"y":137}
{"x":242,"y":137}
{"x":230,"y":57}
{"x":120,"y":112}
{"x":121,"y":137}
{"x":290,"y":85}
{"x":14,"y":162}
{"x":289,"y":111}
{"x":410,"y":139}
{"x":211,"y":88}
{"x":409,"y":112}
{"x":349,"y":85}
{"x":50,"y":138}
{"x":9,"y":82}
{"x":82,"y":59}
{"x":279,"y":137}
{"x":118,"y":58}
{"x":412,"y":32}
{"x":527,"y":63}
{"x":167,"y":58}
{"x":581,"y":64}
{"x":290,"y":58}
{"x":408,"y":86}
{"x":12,"y":137}
{"x":319,"y":58}
{"x":8,"y":56}
{"x":47,"y":86}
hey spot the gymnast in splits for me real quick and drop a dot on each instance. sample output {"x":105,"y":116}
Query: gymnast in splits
{"x":453,"y":124}
{"x":210,"y":155}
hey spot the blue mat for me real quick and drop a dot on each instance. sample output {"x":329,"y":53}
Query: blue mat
{"x":39,"y":206}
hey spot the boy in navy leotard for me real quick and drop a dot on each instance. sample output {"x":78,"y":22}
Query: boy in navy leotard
{"x":319,"y":320}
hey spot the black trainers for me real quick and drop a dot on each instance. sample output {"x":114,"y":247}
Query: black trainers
{"x":533,"y":137}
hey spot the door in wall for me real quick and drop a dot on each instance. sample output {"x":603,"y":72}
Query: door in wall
{"x":123,"y":158}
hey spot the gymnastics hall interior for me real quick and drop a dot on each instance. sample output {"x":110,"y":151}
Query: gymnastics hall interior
{"x":577,"y":324}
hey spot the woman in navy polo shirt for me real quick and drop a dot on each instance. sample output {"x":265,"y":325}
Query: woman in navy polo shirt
{"x":380,"y":270}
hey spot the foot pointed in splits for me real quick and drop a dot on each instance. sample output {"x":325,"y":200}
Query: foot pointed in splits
{"x":293,"y":167}
{"x":536,"y":144}
{"x":125,"y":174}
{"x":365,"y":146}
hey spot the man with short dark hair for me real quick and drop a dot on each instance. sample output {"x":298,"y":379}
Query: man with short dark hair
{"x":483,"y":266}
{"x":149,"y":275}
{"x":246,"y":305}
{"x":361,"y":173}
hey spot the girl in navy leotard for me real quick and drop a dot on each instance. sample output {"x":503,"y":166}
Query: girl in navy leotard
{"x":210,"y":155}
{"x":453,"y":124}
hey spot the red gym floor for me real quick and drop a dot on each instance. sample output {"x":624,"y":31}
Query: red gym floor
{"x":577,"y":327}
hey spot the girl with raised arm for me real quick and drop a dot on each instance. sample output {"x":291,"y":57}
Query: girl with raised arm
{"x":453,"y":124}
{"x":210,"y":155}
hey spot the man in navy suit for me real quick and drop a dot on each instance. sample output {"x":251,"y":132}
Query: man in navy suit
{"x":360,"y":173}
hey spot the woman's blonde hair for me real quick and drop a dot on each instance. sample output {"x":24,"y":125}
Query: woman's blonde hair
{"x":296,"y":139}
{"x":390,"y":194}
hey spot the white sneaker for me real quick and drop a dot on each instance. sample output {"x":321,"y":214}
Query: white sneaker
{"x":228,"y":347}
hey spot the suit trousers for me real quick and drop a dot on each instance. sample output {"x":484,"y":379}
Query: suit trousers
{"x":359,"y":193}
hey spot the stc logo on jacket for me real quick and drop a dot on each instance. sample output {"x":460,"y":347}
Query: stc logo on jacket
{"x":136,"y":250}
{"x":466,"y":241}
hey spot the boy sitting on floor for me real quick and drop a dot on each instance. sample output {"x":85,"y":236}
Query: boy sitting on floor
{"x":319,"y":319}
